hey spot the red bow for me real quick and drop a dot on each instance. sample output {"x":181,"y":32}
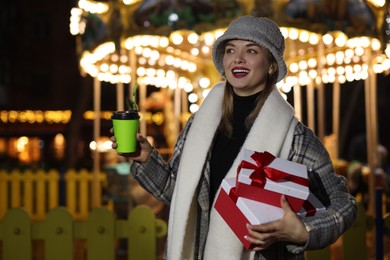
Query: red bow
{"x":262,"y":171}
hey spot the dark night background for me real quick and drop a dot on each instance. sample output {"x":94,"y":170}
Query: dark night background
{"x":39,"y":71}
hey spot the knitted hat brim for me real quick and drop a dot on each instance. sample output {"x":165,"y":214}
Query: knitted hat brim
{"x":257,"y":36}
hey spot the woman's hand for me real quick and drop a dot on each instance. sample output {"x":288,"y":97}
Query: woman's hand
{"x":289,"y":228}
{"x":144,"y":148}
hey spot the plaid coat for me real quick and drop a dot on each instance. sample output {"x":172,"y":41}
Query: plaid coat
{"x":159,"y":178}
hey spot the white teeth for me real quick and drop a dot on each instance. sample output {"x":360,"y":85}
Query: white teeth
{"x":240,"y":71}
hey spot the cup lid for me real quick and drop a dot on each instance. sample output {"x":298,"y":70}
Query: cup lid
{"x":125,"y":115}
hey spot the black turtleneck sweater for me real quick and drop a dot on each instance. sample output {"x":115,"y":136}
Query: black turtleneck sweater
{"x":226,"y":149}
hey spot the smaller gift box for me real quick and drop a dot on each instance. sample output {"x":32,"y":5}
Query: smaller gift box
{"x":265,"y":178}
{"x":311,"y":206}
{"x":237,"y":212}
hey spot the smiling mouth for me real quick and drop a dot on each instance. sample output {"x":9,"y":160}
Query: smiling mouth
{"x":240,"y":72}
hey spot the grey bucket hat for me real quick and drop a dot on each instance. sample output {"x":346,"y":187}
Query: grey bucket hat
{"x":259,"y":30}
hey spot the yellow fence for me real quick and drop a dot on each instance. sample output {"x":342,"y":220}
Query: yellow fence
{"x":38,"y":191}
{"x":61,"y":237}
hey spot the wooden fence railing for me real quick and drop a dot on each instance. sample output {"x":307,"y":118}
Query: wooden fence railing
{"x":38,"y":191}
{"x":101,"y":231}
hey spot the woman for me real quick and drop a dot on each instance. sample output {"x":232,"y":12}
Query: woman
{"x":245,"y":111}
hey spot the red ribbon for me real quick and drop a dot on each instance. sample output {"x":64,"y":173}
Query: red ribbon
{"x":232,"y":194}
{"x":261,"y":171}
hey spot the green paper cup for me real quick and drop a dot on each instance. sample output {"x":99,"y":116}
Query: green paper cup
{"x":125,"y":125}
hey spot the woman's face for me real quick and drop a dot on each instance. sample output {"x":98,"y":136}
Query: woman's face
{"x":246,"y":66}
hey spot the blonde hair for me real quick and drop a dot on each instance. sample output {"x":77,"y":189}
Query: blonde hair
{"x":226,"y":124}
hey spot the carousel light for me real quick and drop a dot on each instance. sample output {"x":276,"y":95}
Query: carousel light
{"x":294,"y":67}
{"x":284,"y":32}
{"x":286,"y":88}
{"x":313,"y":74}
{"x":208,"y":39}
{"x":293,"y":34}
{"x":171,"y":74}
{"x":350,"y":77}
{"x":188,"y":87}
{"x":303,"y":74}
{"x":114,"y":57}
{"x":169,"y":60}
{"x":155,"y":55}
{"x":304,"y":36}
{"x":312,"y":62}
{"x":172,"y":84}
{"x":341,"y":39}
{"x":356,"y":59}
{"x":348,"y":69}
{"x":291,"y":80}
{"x":349,"y":53}
{"x":302,"y":65}
{"x":173,"y":17}
{"x":125,"y":78}
{"x":205,"y":50}
{"x":218,"y":33}
{"x":177,"y":38}
{"x":193,"y":97}
{"x":104,"y":67}
{"x":205,"y":93}
{"x":386,"y":64}
{"x":160,"y":73}
{"x":364,"y":75}
{"x":164,"y":42}
{"x":340,"y":70}
{"x":177,"y":63}
{"x":161,"y":62}
{"x":378,"y":3}
{"x":364,"y":42}
{"x":375,"y":44}
{"x":152,"y":62}
{"x":76,"y":25}
{"x":357,"y":76}
{"x":93,"y":7}
{"x":181,"y":82}
{"x":185,"y":65}
{"x":357,"y":68}
{"x":146,"y":52}
{"x":331,"y":71}
{"x":193,"y":38}
{"x":113,"y":79}
{"x":192,"y":67}
{"x":113,"y":68}
{"x":150,"y":72}
{"x":330,"y":59}
{"x":204,"y":82}
{"x":377,"y":68}
{"x":194,"y":108}
{"x":314,"y":39}
{"x":142,"y":61}
{"x":341,"y":79}
{"x":124,"y":58}
{"x":340,"y":57}
{"x":194,"y":51}
{"x":327,"y":39}
{"x":141,"y":72}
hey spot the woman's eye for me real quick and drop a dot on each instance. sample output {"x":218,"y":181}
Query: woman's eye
{"x":229,"y":50}
{"x":251,"y":51}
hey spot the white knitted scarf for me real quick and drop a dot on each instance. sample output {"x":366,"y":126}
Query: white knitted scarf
{"x":272,"y":131}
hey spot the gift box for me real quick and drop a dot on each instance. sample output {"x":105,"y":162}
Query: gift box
{"x":265,"y":178}
{"x":311,"y":206}
{"x":237,"y":211}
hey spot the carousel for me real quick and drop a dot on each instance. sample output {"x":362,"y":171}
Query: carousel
{"x":167,"y":44}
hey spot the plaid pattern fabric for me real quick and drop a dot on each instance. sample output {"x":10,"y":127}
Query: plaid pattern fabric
{"x":158,"y":177}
